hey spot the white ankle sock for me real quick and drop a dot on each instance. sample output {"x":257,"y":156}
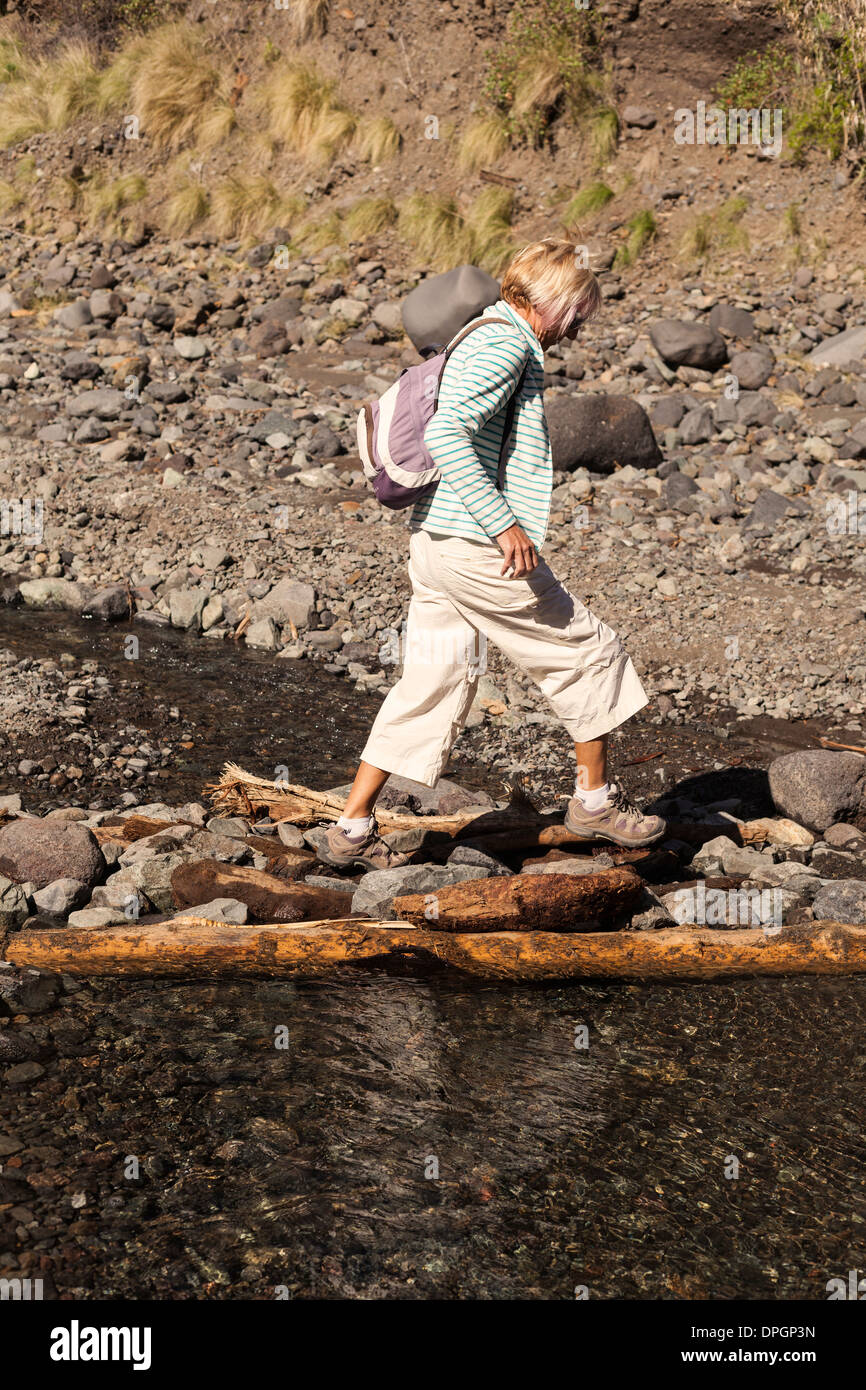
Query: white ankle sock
{"x":355,"y":829}
{"x":592,"y":800}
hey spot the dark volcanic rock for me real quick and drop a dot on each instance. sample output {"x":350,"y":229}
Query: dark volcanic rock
{"x":683,"y":344}
{"x":598,"y":432}
{"x":737,"y":323}
{"x":771,"y":507}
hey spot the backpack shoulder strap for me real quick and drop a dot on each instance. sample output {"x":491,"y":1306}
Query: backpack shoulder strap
{"x":470,"y":328}
{"x":507,"y":427}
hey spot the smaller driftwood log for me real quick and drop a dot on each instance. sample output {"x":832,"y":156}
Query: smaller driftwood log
{"x":524,"y":902}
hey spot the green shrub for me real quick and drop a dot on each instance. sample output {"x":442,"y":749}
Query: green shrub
{"x":547,"y":64}
{"x":641,"y":230}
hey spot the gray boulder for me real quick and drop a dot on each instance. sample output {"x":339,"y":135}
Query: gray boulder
{"x":74,"y":316}
{"x":598,"y":432}
{"x":486,"y":864}
{"x":109,"y":605}
{"x":375,"y":895}
{"x":817,"y":786}
{"x":840,"y":350}
{"x":53,"y":593}
{"x":13,"y":904}
{"x":678,"y":489}
{"x":61,"y":897}
{"x":574,"y":864}
{"x":42,"y":851}
{"x":185,"y":607}
{"x":90,"y":917}
{"x":102,"y":404}
{"x":219,"y":910}
{"x":445,"y":799}
{"x":752,"y":369}
{"x":709,"y":857}
{"x":843,"y":900}
{"x":668,"y":412}
{"x":289,"y":601}
{"x":649,"y":913}
{"x":753,"y":408}
{"x":696,"y":426}
{"x":149,"y":877}
{"x":683,"y":344}
{"x":639,"y":116}
{"x":105,"y":304}
{"x":436,"y":310}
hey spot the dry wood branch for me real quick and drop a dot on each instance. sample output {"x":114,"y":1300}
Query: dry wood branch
{"x":516,"y":826}
{"x":238,"y":789}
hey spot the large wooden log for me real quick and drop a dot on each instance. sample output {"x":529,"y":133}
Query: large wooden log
{"x":193,"y":947}
{"x":524,"y":902}
{"x":699,"y":953}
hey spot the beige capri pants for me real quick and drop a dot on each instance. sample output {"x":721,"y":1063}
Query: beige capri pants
{"x":459,"y":601}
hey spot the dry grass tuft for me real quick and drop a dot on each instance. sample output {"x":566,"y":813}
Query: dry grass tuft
{"x":178,"y":91}
{"x":242,"y":206}
{"x":311,"y":18}
{"x":187,"y":206}
{"x":318,"y":233}
{"x":105,"y":200}
{"x":443,"y":236}
{"x":483,"y":142}
{"x":377,"y":140}
{"x":588,"y":201}
{"x":48,"y":94}
{"x":369,"y":216}
{"x":642,"y":230}
{"x":603,"y":134}
{"x":488,"y":222}
{"x":11,"y":197}
{"x":304,"y":112}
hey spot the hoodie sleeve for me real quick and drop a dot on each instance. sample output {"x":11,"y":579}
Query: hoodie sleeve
{"x":478,"y":381}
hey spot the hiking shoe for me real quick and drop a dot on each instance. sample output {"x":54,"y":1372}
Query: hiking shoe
{"x":367,"y":852}
{"x":619,"y":820}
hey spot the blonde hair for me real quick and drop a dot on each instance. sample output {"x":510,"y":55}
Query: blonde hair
{"x":547,"y":276}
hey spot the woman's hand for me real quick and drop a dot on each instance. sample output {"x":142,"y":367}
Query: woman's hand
{"x":518,"y":550}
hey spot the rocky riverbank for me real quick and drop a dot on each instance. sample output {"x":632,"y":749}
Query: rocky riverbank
{"x":731,"y":561}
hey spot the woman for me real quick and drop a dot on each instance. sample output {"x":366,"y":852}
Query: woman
{"x":476,"y":574}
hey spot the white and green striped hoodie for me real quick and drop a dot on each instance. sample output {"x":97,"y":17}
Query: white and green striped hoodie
{"x":465,"y":433}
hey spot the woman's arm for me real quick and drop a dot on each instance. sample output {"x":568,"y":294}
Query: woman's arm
{"x":488,"y":375}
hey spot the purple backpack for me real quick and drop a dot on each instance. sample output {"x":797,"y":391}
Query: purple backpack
{"x":391,"y":429}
